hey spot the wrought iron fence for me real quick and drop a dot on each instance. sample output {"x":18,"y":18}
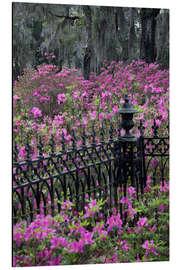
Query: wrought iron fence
{"x":95,"y":170}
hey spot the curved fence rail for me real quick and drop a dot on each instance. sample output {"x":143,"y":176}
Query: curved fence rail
{"x":101,"y":168}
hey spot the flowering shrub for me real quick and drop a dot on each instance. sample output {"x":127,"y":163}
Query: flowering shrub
{"x":48,"y":102}
{"x":87,"y":238}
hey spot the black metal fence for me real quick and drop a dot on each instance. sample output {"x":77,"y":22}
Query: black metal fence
{"x":91,"y":171}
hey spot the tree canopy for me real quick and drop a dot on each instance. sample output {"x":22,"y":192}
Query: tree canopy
{"x":84,"y":36}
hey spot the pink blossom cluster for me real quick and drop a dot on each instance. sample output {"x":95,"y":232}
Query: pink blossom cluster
{"x":101,"y":97}
{"x":36,"y":112}
{"x":67,"y":234}
{"x":91,"y":209}
{"x":149,"y":246}
{"x":113,"y":222}
{"x":61,"y":98}
{"x":57,"y":102}
{"x":141,"y":223}
{"x":106,"y":87}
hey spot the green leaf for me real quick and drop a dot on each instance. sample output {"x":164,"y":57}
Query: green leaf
{"x":16,"y":118}
{"x":139,"y":108}
{"x":84,"y":223}
{"x":96,"y":102}
{"x":70,"y":87}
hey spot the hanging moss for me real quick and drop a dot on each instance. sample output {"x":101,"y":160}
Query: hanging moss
{"x":109,"y":33}
{"x":36,"y":30}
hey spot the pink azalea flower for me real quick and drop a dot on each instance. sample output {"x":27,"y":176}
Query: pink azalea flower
{"x":103,"y":234}
{"x":61,"y":98}
{"x":148,"y":180}
{"x":101,"y":116}
{"x":68,"y":138}
{"x":36,"y":112}
{"x":64,"y":131}
{"x":158,"y":122}
{"x":154,"y":229}
{"x":162,"y":207}
{"x":93,"y":115}
{"x":85,"y":122}
{"x":164,"y":187}
{"x":17,"y":238}
{"x":125,"y":245}
{"x":124,"y":200}
{"x":15,"y":97}
{"x":115,"y":109}
{"x":76,"y":246}
{"x":137,"y":258}
{"x":149,"y":246}
{"x":22,"y":153}
{"x":141,"y":223}
{"x":109,"y":116}
{"x":87,"y":238}
{"x":146,"y":245}
{"x":113,"y":222}
{"x":131,"y":191}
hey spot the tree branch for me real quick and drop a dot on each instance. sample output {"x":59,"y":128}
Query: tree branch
{"x":64,"y":16}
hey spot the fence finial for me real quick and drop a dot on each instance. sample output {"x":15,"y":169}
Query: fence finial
{"x":127,"y":112}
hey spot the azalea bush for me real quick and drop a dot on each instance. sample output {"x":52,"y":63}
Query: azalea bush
{"x":86,"y":237}
{"x":50,"y":102}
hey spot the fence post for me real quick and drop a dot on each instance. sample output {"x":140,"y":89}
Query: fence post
{"x":128,"y":142}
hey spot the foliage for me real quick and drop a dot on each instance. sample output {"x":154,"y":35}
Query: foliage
{"x":47,"y":102}
{"x":68,"y":102}
{"x":84,"y":238}
{"x":64,"y":29}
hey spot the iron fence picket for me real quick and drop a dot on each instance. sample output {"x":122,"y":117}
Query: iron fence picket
{"x":98,"y":170}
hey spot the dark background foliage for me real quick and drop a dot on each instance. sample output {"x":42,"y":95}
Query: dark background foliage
{"x":84,"y":36}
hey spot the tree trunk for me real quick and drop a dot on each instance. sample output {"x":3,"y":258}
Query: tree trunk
{"x":88,"y":51}
{"x":132,"y":37}
{"x":122,"y":34}
{"x":148,"y":24}
{"x":162,"y":38}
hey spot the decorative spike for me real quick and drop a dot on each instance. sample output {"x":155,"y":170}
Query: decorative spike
{"x":84,"y":136}
{"x":155,"y":128}
{"x":111,"y":129}
{"x":102,"y":133}
{"x":74,"y":139}
{"x":27,"y":148}
{"x":15,"y":152}
{"x":119,"y":130}
{"x":167,"y":126}
{"x":63,"y":142}
{"x":52,"y":144}
{"x":93,"y":135}
{"x":40,"y":146}
{"x":141,"y":128}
